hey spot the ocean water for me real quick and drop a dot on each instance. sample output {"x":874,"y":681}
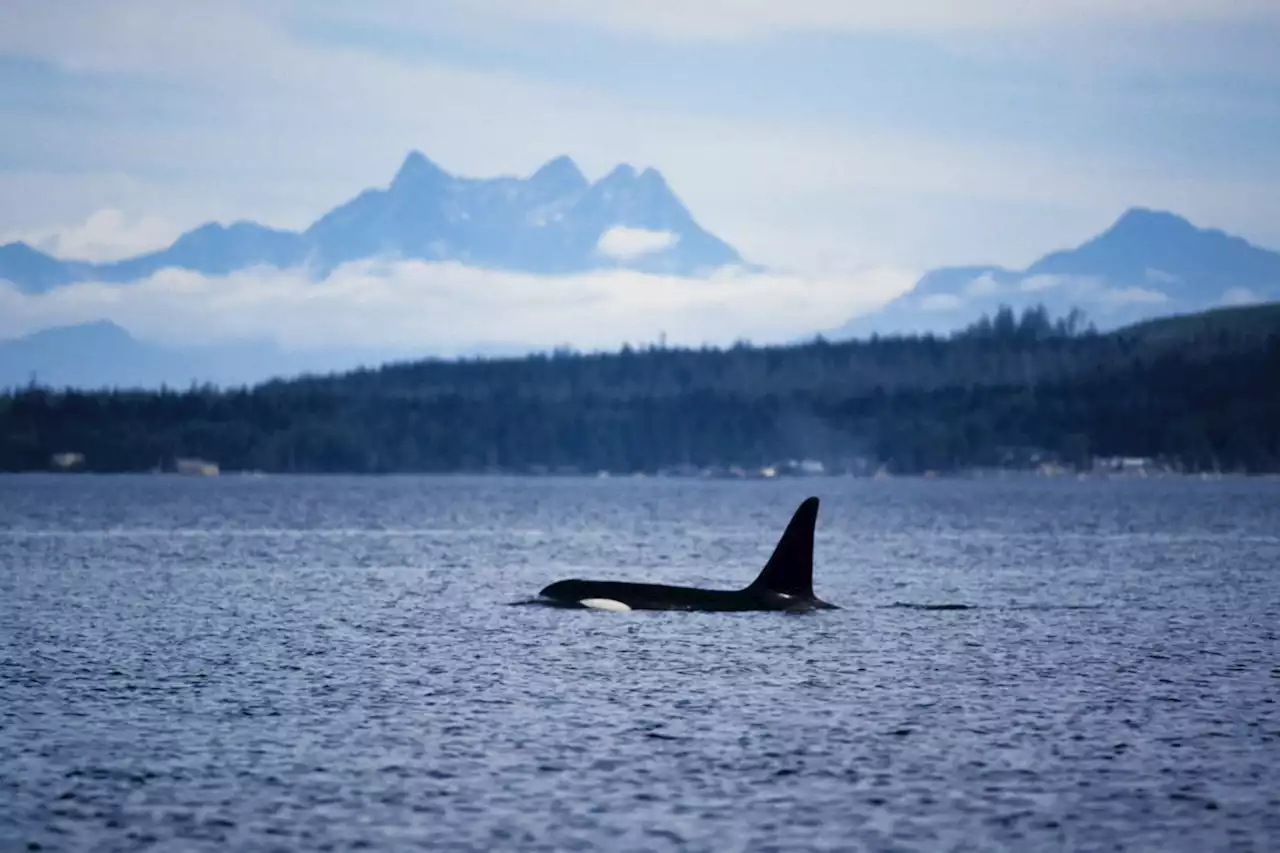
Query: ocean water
{"x":331,"y":663}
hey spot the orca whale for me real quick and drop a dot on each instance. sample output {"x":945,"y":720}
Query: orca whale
{"x":785,"y":583}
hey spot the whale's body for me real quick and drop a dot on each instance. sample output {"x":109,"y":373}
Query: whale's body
{"x":785,"y":582}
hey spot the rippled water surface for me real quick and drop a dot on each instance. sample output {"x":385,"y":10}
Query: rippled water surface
{"x":331,"y":664}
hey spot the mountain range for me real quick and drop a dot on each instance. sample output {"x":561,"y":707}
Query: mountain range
{"x":1148,"y":263}
{"x":551,"y":222}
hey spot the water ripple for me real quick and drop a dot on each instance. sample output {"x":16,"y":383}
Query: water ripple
{"x":329,"y":664}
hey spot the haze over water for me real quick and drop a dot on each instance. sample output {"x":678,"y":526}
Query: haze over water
{"x":329,"y":663}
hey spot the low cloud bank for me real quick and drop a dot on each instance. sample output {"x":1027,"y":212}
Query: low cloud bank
{"x":447,"y":308}
{"x":626,"y":243}
{"x":1089,"y":290}
{"x":107,"y":235}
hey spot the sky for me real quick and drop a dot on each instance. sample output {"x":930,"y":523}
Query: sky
{"x":833,"y":141}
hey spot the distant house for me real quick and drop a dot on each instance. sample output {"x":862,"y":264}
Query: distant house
{"x":810,"y":468}
{"x":1124,"y":464}
{"x":67,"y":461}
{"x":196,"y":467}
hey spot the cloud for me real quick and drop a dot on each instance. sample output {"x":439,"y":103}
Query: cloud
{"x":1039,"y":283}
{"x":719,"y":20}
{"x":107,"y":235}
{"x":1241,"y":296}
{"x":1092,"y":289}
{"x":1132,"y":296}
{"x":627,"y":243}
{"x":941,"y":302}
{"x":983,"y":285}
{"x":447,"y":308}
{"x":1089,"y":291}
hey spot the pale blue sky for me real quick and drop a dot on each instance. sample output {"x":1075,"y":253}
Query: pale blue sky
{"x":813,"y":135}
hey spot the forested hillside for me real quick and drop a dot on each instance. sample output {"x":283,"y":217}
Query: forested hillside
{"x":1198,"y":392}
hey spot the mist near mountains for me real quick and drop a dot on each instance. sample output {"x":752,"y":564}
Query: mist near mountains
{"x":382,"y":310}
{"x":439,"y":265}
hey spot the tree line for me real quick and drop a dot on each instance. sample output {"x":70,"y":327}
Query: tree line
{"x":1198,"y":392}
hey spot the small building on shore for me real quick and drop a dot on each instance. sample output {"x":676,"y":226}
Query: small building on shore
{"x":195,"y":467}
{"x":68,"y":461}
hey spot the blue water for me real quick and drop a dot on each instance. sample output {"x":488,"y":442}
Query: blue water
{"x":331,"y":664}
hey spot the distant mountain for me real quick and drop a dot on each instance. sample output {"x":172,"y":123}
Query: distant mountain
{"x":92,"y":354}
{"x":103,"y":355}
{"x":35,"y":272}
{"x":1147,"y":264}
{"x":550,"y":222}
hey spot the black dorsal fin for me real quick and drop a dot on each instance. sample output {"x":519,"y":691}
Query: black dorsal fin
{"x":790,"y":569}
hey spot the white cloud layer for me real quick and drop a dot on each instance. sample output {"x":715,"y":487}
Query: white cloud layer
{"x":1093,"y":293}
{"x":447,"y":308}
{"x":628,"y":243}
{"x":726,"y":20}
{"x":1241,"y":296}
{"x":107,"y":235}
{"x":1132,"y":296}
{"x":941,"y":302}
{"x":1040,"y":283}
{"x":983,"y":285}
